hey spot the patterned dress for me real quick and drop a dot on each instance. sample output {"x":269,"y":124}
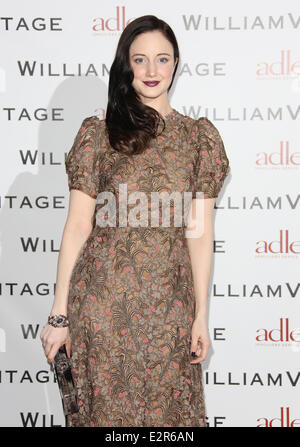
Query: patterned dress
{"x":131,"y":297}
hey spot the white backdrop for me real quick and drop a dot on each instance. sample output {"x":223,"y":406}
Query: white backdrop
{"x":240,"y":66}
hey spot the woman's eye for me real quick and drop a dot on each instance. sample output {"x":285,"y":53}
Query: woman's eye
{"x":140,"y":59}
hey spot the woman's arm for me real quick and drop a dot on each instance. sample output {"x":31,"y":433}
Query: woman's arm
{"x":201,"y":251}
{"x":77,"y":229}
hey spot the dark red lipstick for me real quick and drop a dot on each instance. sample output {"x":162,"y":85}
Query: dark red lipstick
{"x":151,"y":83}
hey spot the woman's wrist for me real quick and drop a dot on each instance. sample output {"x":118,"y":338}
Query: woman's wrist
{"x":200,"y":316}
{"x":58,"y":311}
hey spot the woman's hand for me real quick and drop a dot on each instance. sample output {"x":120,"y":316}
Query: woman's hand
{"x":53,"y":338}
{"x":200,"y":341}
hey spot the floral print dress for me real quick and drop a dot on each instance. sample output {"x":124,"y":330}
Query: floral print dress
{"x":131,"y":297}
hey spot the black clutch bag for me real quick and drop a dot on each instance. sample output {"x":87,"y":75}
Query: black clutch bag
{"x":63,"y":373}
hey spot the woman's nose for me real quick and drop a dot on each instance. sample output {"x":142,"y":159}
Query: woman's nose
{"x":151,"y":69}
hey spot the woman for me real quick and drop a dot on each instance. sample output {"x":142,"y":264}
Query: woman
{"x":136,"y":296}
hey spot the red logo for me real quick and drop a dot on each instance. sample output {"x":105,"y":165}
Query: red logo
{"x":117,"y":23}
{"x":283,"y":421}
{"x":283,"y":67}
{"x":278,"y":159}
{"x":283,"y":334}
{"x":281,"y":246}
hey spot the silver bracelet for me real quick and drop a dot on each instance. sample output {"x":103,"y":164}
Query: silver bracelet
{"x":58,"y":321}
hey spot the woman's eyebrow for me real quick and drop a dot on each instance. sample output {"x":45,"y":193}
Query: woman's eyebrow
{"x":140,"y":54}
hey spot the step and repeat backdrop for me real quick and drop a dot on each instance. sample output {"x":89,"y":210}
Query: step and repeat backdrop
{"x":240,"y":67}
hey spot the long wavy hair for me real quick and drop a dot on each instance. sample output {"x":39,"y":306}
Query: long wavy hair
{"x":131,"y":124}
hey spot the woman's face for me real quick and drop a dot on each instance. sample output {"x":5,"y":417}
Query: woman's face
{"x":151,"y":58}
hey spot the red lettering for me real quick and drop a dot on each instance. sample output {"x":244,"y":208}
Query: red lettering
{"x":284,"y":245}
{"x":284,"y":333}
{"x":281,"y":67}
{"x":116,"y":25}
{"x":284,"y":420}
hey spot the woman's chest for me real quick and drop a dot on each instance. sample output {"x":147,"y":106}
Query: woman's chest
{"x":163,"y":166}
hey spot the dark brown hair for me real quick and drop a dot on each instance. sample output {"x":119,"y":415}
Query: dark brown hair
{"x":130,"y":123}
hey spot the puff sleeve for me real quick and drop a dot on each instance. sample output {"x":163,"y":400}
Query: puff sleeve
{"x":82,"y":161}
{"x":212,"y":164}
